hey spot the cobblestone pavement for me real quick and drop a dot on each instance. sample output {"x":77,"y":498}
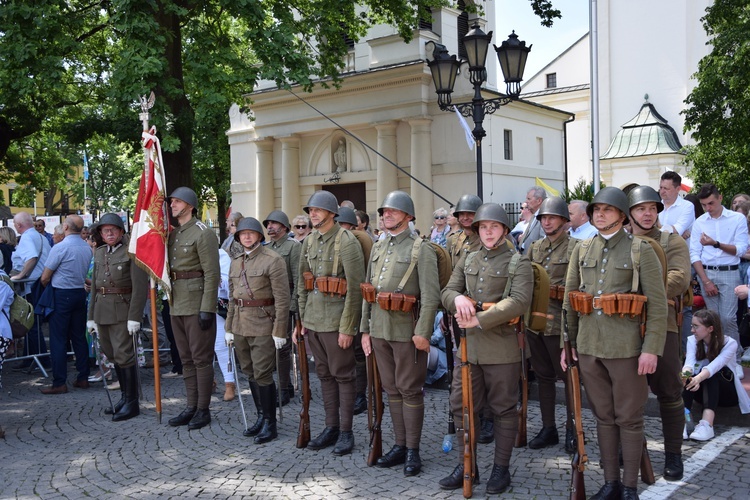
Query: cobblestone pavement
{"x":65,"y":447}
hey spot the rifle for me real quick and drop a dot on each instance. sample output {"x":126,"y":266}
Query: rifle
{"x":450,"y":362}
{"x":647,"y":471}
{"x":375,"y":409}
{"x":468,"y":419}
{"x":577,"y":487}
{"x":303,"y":434}
{"x":524,"y":406}
{"x":484,"y":306}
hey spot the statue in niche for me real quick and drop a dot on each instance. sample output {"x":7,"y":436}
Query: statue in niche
{"x":339,"y":157}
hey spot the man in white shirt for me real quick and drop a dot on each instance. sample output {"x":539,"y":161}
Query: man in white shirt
{"x":678,"y":215}
{"x":580,"y":227}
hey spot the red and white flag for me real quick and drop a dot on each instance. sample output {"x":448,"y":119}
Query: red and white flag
{"x":148,"y":239}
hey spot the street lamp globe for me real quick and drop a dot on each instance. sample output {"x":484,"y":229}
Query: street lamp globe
{"x":444,"y":68}
{"x":512,"y":55}
{"x":476,"y":43}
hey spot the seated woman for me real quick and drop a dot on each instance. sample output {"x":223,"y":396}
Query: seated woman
{"x":713,"y":373}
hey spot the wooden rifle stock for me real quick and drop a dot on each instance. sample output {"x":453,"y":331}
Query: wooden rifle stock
{"x":375,"y":410}
{"x":578,"y":465}
{"x":524,"y":406}
{"x":484,"y":306}
{"x":647,"y":470}
{"x":303,"y":435}
{"x":468,"y":419}
{"x":450,"y":321}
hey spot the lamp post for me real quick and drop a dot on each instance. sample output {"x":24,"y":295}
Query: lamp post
{"x":444,"y":67}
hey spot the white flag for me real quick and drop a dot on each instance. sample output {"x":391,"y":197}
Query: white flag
{"x":467,"y":130}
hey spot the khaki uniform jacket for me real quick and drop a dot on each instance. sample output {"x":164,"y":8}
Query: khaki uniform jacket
{"x":268,"y":279}
{"x":323,"y":312}
{"x":365,"y":241}
{"x":194,"y":247}
{"x":289,"y":250}
{"x":117,"y":270}
{"x":388,"y":264}
{"x":553,"y":257}
{"x":482,"y":275}
{"x":460,"y":245}
{"x":606,"y":266}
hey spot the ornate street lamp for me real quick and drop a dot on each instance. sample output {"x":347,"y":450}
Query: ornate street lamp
{"x":444,"y":67}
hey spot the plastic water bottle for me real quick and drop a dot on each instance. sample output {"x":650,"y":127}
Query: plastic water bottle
{"x":689,"y":425}
{"x":447,"y":443}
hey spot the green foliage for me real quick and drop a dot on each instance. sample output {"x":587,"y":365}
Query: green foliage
{"x":581,"y":191}
{"x":718,"y":106}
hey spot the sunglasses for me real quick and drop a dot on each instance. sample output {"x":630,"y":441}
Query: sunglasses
{"x":300,"y":227}
{"x":440,"y":217}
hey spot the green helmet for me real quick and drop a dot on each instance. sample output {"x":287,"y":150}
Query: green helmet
{"x":467,"y":203}
{"x":490,"y":212}
{"x":554,"y":206}
{"x":347,"y":215}
{"x":185,"y":194}
{"x":645,"y":194}
{"x":280,"y":217}
{"x":110,"y":220}
{"x":610,"y":196}
{"x":324,"y":200}
{"x":249,"y":224}
{"x":398,"y":200}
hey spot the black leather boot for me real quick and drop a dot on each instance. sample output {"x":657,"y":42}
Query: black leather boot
{"x":327,"y":438}
{"x":571,"y":441}
{"x":344,"y":444}
{"x":413,"y":465}
{"x":456,"y":478}
{"x":546,"y":437}
{"x":258,"y":425}
{"x":396,"y":456}
{"x":499,"y":480}
{"x":183,"y":418}
{"x":629,"y":493}
{"x":486,"y":431}
{"x":360,"y":403}
{"x":673,"y":466}
{"x":610,"y":491}
{"x":268,"y":402}
{"x":201,"y":419}
{"x":123,"y":398}
{"x":131,"y":408}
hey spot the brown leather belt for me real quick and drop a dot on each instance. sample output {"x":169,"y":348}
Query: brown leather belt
{"x":183,"y":275}
{"x":110,"y":291}
{"x":254,"y":303}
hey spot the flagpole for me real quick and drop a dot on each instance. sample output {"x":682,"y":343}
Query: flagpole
{"x":144,"y":116}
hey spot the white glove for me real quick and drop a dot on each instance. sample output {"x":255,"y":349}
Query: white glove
{"x":228,"y":338}
{"x":279,"y":342}
{"x":133,"y":327}
{"x":92,"y":326}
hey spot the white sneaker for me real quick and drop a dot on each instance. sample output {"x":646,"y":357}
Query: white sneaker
{"x":746,"y":355}
{"x":684,"y":432}
{"x":702,"y":432}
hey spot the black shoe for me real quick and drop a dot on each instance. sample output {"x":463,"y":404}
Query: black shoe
{"x":360,"y":404}
{"x":255,"y":428}
{"x":128,"y":380}
{"x":285,"y":398}
{"x":413,"y":465}
{"x":327,"y":438}
{"x":201,"y":419}
{"x":456,"y":479}
{"x":546,"y":437}
{"x":183,"y":418}
{"x":396,"y":456}
{"x":673,"y":466}
{"x":344,"y":444}
{"x":487,"y":431}
{"x":610,"y":491}
{"x":267,"y":432}
{"x":571,"y":441}
{"x":499,"y":480}
{"x":118,"y":405}
{"x":629,"y":493}
{"x":129,"y":410}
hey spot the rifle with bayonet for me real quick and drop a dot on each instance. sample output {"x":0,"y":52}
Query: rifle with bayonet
{"x":303,"y":434}
{"x":375,"y":409}
{"x":577,"y":487}
{"x":468,"y":419}
{"x":523,"y":407}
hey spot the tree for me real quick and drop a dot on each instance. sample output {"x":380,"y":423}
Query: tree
{"x":718,"y":106}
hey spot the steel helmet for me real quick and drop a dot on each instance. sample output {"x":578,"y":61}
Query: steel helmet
{"x":610,"y":196}
{"x":554,"y":206}
{"x":398,"y":200}
{"x":110,"y":220}
{"x":490,"y":212}
{"x":187,"y":195}
{"x":324,"y":200}
{"x":467,"y":203}
{"x":278,"y":216}
{"x":645,"y":194}
{"x":347,"y":215}
{"x":249,"y":224}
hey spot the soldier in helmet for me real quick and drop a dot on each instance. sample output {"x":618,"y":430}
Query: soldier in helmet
{"x":615,"y":338}
{"x":331,"y":268}
{"x":552,"y":253}
{"x":118,"y":295}
{"x":645,"y":206}
{"x":257,"y":320}
{"x":193,"y":252}
{"x":278,"y":228}
{"x":494,"y":357}
{"x":401,"y":290}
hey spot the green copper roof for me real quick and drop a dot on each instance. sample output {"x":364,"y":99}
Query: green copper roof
{"x":646,"y":134}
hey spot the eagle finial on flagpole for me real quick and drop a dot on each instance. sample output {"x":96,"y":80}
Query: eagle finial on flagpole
{"x":145,"y":106}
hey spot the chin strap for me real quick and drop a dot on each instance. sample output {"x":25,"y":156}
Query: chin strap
{"x":321,"y":223}
{"x":607,"y":228}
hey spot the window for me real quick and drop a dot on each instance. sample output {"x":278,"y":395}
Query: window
{"x":10,"y":197}
{"x":462,"y":29}
{"x":551,"y":80}
{"x":508,"y":144}
{"x":540,"y":149}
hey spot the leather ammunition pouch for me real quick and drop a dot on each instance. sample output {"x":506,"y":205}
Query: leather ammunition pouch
{"x":309,"y":280}
{"x":631,"y":304}
{"x":557,"y":292}
{"x":393,"y":301}
{"x":368,"y":292}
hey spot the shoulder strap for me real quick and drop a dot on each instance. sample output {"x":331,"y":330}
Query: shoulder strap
{"x":414,"y":259}
{"x":511,"y":273}
{"x":336,"y":252}
{"x":635,"y":256}
{"x":664,"y":240}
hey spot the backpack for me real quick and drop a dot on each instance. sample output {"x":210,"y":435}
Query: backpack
{"x":536,"y":315}
{"x":21,"y":313}
{"x":443,"y":262}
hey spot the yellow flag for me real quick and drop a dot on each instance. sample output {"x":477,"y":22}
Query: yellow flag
{"x":550,"y":190}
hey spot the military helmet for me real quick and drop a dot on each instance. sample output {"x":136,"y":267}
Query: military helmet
{"x":111,"y":220}
{"x":644,"y":194}
{"x":278,"y":216}
{"x":610,"y":196}
{"x":324,"y":200}
{"x":467,"y":203}
{"x":554,"y":206}
{"x":249,"y":224}
{"x":185,"y":194}
{"x":398,"y":200}
{"x":347,"y":215}
{"x":490,"y":212}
